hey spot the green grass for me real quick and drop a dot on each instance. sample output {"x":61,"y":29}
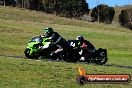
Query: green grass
{"x":25,"y":73}
{"x":17,"y":27}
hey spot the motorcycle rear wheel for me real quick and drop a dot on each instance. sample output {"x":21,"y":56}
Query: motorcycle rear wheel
{"x":101,"y":57}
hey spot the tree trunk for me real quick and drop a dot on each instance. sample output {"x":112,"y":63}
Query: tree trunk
{"x":4,"y":3}
{"x":98,"y":16}
{"x":22,"y":3}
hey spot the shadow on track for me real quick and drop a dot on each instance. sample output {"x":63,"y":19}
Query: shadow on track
{"x":119,"y":66}
{"x":50,"y":60}
{"x":12,"y":56}
{"x":107,"y":65}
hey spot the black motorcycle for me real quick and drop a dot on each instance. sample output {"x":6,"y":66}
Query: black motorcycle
{"x":98,"y":57}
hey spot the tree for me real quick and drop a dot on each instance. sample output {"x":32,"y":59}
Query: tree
{"x":8,"y":2}
{"x":125,"y":18}
{"x":98,"y":2}
{"x":67,"y":8}
{"x":103,"y":13}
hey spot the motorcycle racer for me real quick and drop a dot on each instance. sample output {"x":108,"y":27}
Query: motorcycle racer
{"x":84,"y":45}
{"x":55,"y":39}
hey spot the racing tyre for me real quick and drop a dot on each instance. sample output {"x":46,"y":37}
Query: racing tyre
{"x":27,"y":51}
{"x":101,"y":56}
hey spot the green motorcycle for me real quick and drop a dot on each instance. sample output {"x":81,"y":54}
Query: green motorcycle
{"x":34,"y":48}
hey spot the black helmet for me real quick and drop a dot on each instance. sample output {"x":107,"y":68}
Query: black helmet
{"x":80,"y":38}
{"x":48,"y":30}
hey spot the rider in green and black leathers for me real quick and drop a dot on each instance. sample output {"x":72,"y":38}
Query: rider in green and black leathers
{"x":56,"y":39}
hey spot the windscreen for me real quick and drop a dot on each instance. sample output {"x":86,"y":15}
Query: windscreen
{"x":36,"y":39}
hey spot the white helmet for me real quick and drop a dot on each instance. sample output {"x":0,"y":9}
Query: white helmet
{"x":80,"y":38}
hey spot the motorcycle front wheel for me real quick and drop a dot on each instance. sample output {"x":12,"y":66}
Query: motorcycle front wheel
{"x":27,"y":54}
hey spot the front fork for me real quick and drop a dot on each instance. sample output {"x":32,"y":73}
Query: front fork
{"x":32,"y":51}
